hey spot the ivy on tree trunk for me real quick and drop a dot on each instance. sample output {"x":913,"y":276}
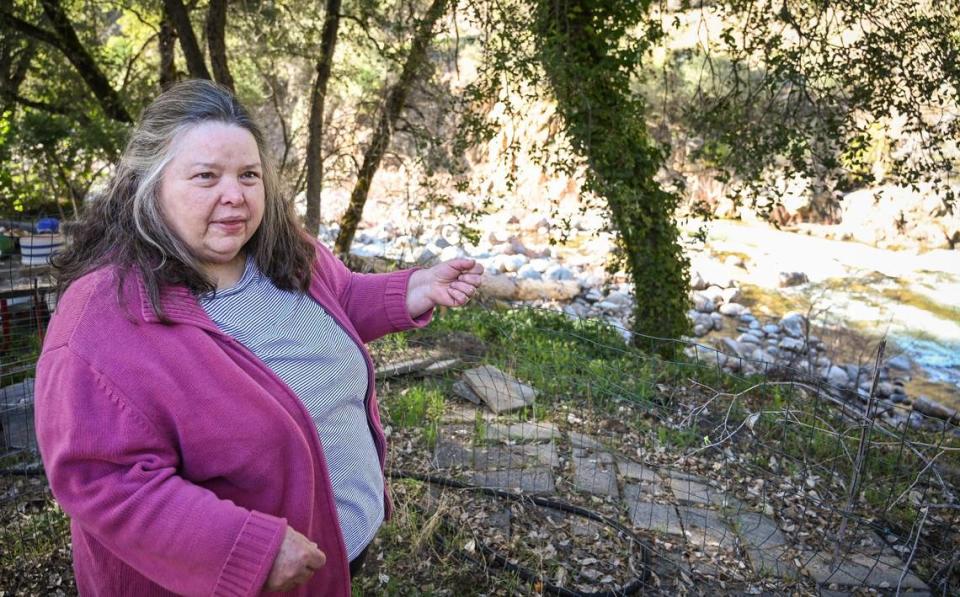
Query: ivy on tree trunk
{"x":588,"y":49}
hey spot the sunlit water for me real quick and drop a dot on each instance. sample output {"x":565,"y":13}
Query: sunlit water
{"x":912,"y":299}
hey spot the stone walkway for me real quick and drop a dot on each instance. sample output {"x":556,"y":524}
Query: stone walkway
{"x":537,"y":457}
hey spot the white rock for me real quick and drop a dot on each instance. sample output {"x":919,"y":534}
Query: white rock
{"x":835,"y":376}
{"x":731,"y":295}
{"x":791,"y":344}
{"x":700,"y":330}
{"x":528,"y":272}
{"x":509,"y":263}
{"x":794,"y":324}
{"x":703,"y":304}
{"x":451,"y":252}
{"x":762,"y":356}
{"x":748,"y":338}
{"x":714,"y":293}
{"x":696,"y":281}
{"x":540,"y":264}
{"x":771,"y":328}
{"x":558,"y":272}
{"x":731,"y":309}
{"x":619,"y":298}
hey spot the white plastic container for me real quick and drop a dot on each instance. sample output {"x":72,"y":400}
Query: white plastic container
{"x":36,"y":249}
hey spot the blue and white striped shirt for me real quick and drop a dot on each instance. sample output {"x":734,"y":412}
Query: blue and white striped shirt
{"x":296,"y":338}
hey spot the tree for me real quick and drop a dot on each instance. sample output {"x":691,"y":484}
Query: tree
{"x":588,"y":50}
{"x":216,"y":42}
{"x":328,"y":45}
{"x":188,"y":40}
{"x":393,"y":105}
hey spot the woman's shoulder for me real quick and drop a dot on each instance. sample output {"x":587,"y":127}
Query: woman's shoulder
{"x":92,"y":303}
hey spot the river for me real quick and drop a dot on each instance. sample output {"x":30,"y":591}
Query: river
{"x":911,"y":298}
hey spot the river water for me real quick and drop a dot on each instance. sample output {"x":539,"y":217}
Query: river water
{"x":912,"y":299}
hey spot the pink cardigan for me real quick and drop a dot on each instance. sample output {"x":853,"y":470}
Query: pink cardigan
{"x":179,"y":456}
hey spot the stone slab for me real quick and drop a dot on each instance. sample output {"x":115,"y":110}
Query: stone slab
{"x":461,"y":389}
{"x":499,"y":391}
{"x":592,"y":475}
{"x":584,"y":441}
{"x":651,"y":516}
{"x":538,"y":431}
{"x":388,"y":370}
{"x":857,"y":569}
{"x":635,"y":471}
{"x":704,"y":527}
{"x":765,"y":544}
{"x":535,"y":480}
{"x":689,"y":491}
{"x":451,"y":454}
{"x":547,"y":454}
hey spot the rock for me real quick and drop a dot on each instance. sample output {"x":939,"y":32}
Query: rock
{"x":884,"y":388}
{"x":509,"y":263}
{"x":747,"y":317}
{"x":618,"y":298}
{"x":733,"y":347}
{"x":703,"y":304}
{"x":593,"y":295}
{"x":900,"y":362}
{"x":748,"y":338}
{"x":791,"y":344}
{"x":788,"y":279}
{"x":731,"y":309}
{"x":794,"y":324}
{"x":731,"y":295}
{"x":771,"y":328}
{"x":835,"y":376}
{"x":714,"y":293}
{"x":528,"y":272}
{"x":762,"y":357}
{"x":734,"y":261}
{"x":651,"y":516}
{"x":558,"y":272}
{"x":499,"y":391}
{"x":932,"y":408}
{"x":700,"y":331}
{"x":755,"y":325}
{"x":705,"y":527}
{"x":540,"y":264}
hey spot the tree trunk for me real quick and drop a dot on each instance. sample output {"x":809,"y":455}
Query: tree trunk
{"x":216,"y":42}
{"x":188,"y":41}
{"x":14,"y":66}
{"x":65,"y":39}
{"x":167,"y":42}
{"x":605,"y":121}
{"x":393,"y":105}
{"x":328,"y":43}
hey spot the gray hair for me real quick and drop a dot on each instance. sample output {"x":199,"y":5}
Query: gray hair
{"x":126,"y":227}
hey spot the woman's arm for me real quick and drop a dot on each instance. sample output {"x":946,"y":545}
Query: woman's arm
{"x":116,"y":475}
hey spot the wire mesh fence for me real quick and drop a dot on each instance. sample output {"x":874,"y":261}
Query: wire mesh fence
{"x":549,"y":456}
{"x":34,"y":533}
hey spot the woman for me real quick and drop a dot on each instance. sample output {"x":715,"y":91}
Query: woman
{"x":205,"y":407}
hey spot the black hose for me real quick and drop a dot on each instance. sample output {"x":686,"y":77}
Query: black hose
{"x":545,"y":586}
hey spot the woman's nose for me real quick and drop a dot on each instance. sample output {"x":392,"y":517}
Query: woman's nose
{"x":232,"y":192}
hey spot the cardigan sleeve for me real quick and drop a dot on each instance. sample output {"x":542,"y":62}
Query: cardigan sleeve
{"x":116,"y":477}
{"x":376,"y":304}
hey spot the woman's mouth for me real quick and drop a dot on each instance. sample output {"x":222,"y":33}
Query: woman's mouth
{"x":230,"y":225}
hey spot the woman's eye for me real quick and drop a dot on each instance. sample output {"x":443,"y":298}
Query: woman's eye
{"x":251,"y":174}
{"x":204,"y":175}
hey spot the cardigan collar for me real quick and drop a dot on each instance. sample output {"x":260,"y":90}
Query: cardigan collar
{"x":177,"y":302}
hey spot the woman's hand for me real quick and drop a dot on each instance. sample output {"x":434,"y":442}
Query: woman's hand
{"x":448,"y":284}
{"x":296,"y":562}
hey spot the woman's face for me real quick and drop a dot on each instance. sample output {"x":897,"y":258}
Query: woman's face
{"x":212,"y":195}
